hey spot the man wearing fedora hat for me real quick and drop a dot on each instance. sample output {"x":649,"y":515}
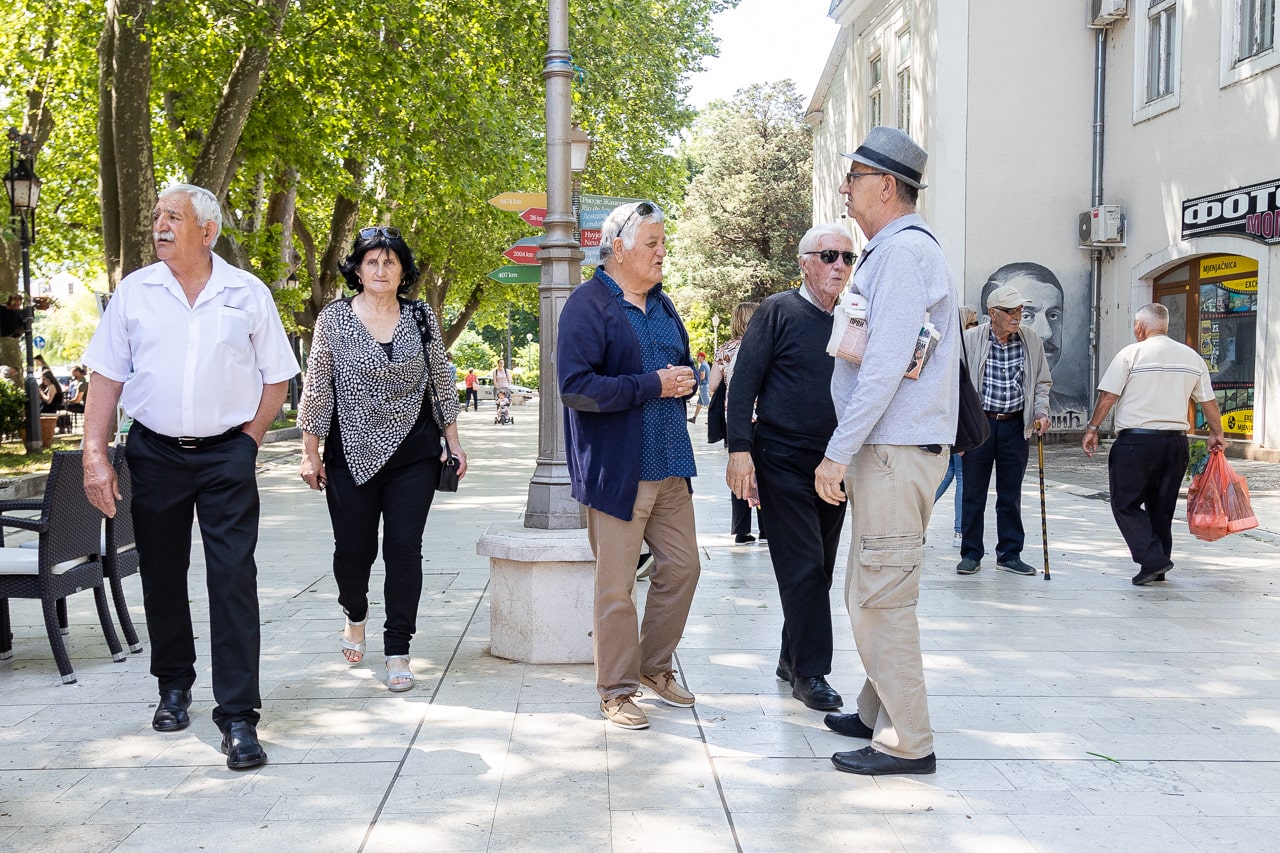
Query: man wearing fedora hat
{"x":1011,"y":373}
{"x":889,"y":450}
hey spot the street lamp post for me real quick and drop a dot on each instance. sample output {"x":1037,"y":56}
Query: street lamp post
{"x":715,"y":333}
{"x":23,"y":188}
{"x":551,"y":505}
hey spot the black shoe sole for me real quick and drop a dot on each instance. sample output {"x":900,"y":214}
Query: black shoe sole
{"x":826,"y":706}
{"x":783,"y":675}
{"x":176,"y":727}
{"x":244,"y":763}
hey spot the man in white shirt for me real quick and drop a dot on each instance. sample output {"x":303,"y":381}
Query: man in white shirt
{"x":194,"y":350}
{"x":1149,"y":383}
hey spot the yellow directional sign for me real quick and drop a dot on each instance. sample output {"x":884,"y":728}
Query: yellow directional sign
{"x":519,"y":202}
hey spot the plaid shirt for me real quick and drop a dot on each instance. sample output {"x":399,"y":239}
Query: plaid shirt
{"x":1002,"y":376}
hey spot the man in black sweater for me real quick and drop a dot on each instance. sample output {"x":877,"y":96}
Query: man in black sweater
{"x":784,"y":373}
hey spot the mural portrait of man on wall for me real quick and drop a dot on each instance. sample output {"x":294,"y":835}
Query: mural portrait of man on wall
{"x":1047,"y":316}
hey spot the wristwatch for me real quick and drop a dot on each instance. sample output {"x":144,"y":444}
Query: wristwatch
{"x":1093,"y":428}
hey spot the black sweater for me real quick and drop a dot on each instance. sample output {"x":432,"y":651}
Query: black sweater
{"x":784,"y":370}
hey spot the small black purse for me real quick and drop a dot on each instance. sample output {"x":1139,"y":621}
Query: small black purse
{"x":449,"y":468}
{"x":972,"y":427}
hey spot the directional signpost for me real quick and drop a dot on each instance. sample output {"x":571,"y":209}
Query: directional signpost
{"x":525,"y":251}
{"x":535,"y":216}
{"x":518,"y":202}
{"x":517,"y":274}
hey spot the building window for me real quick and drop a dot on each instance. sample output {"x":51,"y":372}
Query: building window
{"x":1162,"y":22}
{"x":1255,"y":27}
{"x":876,"y":73}
{"x":904,"y":80}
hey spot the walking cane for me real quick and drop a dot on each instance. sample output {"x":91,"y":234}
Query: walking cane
{"x":1044,"y":519}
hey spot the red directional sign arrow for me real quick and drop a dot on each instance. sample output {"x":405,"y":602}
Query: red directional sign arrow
{"x":522,"y":254}
{"x":534,"y":216}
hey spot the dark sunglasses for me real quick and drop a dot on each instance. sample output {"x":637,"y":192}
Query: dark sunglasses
{"x":828,"y":256}
{"x":385,"y":231}
{"x":643,"y":209}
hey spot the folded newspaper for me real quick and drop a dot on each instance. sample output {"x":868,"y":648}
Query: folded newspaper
{"x":850,"y":333}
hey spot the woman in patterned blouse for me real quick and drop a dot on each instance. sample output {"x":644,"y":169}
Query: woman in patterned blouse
{"x":382,"y":399}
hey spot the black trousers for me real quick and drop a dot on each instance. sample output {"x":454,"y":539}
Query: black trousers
{"x":472,"y":399}
{"x":1145,"y":473}
{"x":742,"y":517}
{"x":218,"y":485}
{"x":400,"y":498}
{"x":804,"y":534}
{"x":1006,"y":450}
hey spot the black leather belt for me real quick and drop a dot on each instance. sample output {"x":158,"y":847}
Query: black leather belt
{"x":935,"y":449}
{"x":189,"y":442}
{"x":1152,"y":432}
{"x":1004,"y":416}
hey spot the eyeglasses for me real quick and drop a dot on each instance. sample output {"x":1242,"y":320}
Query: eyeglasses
{"x":385,"y":231}
{"x":643,"y":209}
{"x":853,"y":176}
{"x":828,"y":256}
{"x":1011,"y":312}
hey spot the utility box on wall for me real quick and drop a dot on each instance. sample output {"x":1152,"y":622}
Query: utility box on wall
{"x":1103,"y":13}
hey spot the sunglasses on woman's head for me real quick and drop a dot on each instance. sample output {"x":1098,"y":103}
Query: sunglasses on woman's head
{"x":828,"y":256}
{"x":385,"y":231}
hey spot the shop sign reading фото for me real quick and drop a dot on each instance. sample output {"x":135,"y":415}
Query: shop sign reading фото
{"x":1252,"y":212}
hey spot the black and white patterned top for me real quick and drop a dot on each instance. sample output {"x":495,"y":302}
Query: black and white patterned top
{"x":378,"y":397}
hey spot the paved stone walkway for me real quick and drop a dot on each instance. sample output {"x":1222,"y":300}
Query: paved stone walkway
{"x":1079,"y":714}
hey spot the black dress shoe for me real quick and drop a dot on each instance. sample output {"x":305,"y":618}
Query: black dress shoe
{"x":1146,"y":576}
{"x":171,"y":714}
{"x":240,"y":746}
{"x":869,"y":762}
{"x":743,"y":538}
{"x":784,"y":672}
{"x":848,"y":725}
{"x":814,"y":691}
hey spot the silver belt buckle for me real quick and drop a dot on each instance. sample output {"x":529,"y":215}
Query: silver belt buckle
{"x":188,"y":442}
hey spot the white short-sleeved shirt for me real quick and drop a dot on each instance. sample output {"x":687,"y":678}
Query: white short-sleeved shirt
{"x":1154,"y":380}
{"x":191,"y":370}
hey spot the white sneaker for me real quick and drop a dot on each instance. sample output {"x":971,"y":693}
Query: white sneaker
{"x":956,"y":540}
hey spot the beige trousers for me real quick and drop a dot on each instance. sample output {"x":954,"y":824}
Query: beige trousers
{"x":890,"y":489}
{"x":662,"y":517}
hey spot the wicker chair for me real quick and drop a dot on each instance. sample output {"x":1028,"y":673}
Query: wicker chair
{"x":119,"y":550}
{"x":67,"y":560}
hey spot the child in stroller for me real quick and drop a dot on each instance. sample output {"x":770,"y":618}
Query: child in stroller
{"x":502,"y":399}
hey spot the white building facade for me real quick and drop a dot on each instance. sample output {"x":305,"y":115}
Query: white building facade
{"x":1163,"y":114}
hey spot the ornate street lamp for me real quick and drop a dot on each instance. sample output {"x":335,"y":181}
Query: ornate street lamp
{"x":715,"y":332}
{"x":23,"y":187}
{"x":579,"y":148}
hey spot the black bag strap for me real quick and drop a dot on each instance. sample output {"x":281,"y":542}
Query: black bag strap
{"x":424,"y":329}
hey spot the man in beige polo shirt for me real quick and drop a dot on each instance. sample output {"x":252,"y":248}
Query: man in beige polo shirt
{"x":1149,"y":384}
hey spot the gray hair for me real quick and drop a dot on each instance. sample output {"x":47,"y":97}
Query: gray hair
{"x":621,"y":223}
{"x":817,"y":232}
{"x":1153,"y":317}
{"x":204,"y":203}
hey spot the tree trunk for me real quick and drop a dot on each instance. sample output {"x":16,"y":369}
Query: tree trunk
{"x":213,"y":168}
{"x":126,"y":177}
{"x":282,"y":210}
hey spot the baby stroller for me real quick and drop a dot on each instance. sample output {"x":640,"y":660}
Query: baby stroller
{"x":502,"y":399}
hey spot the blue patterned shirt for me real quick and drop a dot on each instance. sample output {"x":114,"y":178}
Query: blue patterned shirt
{"x":665,"y":449}
{"x":1002,"y":376}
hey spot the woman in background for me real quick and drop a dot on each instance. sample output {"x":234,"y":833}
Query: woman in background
{"x":722,"y":371}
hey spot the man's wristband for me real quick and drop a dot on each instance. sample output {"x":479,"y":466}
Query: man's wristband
{"x":1092,"y":428}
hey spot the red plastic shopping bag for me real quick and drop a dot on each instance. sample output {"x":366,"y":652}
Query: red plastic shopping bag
{"x":1218,"y":501}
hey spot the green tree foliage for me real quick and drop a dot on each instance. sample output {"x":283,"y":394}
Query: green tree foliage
{"x":67,"y":327}
{"x":313,"y":119}
{"x":749,"y":201}
{"x":471,"y":352}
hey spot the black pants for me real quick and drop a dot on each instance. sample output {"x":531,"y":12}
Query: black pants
{"x":804,"y":533}
{"x":400,"y":498}
{"x":472,"y":399}
{"x":1006,"y":450}
{"x":1145,"y":473}
{"x":219,"y":486}
{"x":742,"y":517}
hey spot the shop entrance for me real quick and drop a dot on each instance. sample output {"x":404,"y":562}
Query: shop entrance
{"x":1213,"y":308}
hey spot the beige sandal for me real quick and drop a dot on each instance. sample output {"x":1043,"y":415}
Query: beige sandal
{"x":352,"y":651}
{"x":399,"y":677}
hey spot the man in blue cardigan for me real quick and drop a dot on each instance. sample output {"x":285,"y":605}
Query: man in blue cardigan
{"x":625,"y":373}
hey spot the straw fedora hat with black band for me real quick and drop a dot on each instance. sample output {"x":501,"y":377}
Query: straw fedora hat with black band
{"x":888,"y":149}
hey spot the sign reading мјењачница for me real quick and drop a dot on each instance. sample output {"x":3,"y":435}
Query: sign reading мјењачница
{"x":1252,"y":212}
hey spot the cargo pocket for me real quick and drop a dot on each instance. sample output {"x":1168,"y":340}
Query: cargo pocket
{"x":887,"y":574}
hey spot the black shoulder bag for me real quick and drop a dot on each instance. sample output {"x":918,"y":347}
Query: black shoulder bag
{"x":972,"y":428}
{"x":449,"y":469}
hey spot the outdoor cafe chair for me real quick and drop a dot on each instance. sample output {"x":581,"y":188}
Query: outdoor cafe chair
{"x":66,"y":561}
{"x":119,"y":550}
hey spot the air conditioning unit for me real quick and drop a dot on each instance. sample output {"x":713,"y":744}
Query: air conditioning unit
{"x":1103,"y":13}
{"x":1102,"y":226}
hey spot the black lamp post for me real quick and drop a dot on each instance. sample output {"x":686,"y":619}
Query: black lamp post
{"x":24,"y":193}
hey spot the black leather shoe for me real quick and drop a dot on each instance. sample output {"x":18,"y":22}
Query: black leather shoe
{"x":171,"y":714}
{"x":868,"y":762}
{"x":784,"y":672}
{"x":743,"y":538}
{"x":814,"y":691}
{"x":240,"y":746}
{"x":848,"y":725}
{"x":1146,"y":576}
